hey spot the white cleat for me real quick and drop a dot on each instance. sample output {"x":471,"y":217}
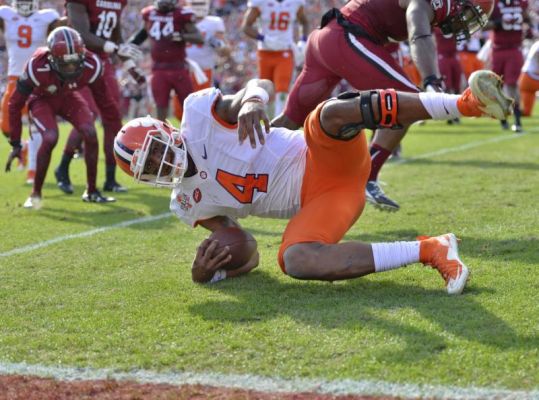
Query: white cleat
{"x":33,"y":202}
{"x":486,"y":86}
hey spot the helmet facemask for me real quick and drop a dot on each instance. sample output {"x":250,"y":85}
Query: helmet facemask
{"x":469,"y":20}
{"x":26,"y":7}
{"x":162,"y":159}
{"x":68,"y":66}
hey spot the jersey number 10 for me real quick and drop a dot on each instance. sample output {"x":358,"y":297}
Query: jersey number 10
{"x":279,"y":21}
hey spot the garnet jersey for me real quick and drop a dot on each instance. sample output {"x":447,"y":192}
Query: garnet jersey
{"x":39,"y":80}
{"x":531,"y":65}
{"x":104,"y":17}
{"x":160,"y":27}
{"x":277,"y":20}
{"x":204,"y":54}
{"x":23,"y":35}
{"x":232,"y":179}
{"x":510,"y":13}
{"x":445,"y":46}
{"x":385,"y":20}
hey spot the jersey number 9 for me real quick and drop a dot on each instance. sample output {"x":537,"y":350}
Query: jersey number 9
{"x":25,"y":36}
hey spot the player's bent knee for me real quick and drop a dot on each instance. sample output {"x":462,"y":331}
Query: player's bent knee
{"x":49,"y":138}
{"x":302,"y":261}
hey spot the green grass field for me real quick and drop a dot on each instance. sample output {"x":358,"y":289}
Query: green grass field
{"x":124,"y":298}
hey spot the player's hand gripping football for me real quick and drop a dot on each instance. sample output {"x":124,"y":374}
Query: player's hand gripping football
{"x":251,"y":114}
{"x":208,"y":260}
{"x":15,"y":153}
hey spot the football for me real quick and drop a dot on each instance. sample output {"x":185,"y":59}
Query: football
{"x":241,"y":243}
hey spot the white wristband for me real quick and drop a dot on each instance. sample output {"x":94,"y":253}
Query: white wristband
{"x":109,"y":47}
{"x":219,"y":275}
{"x":255,"y":91}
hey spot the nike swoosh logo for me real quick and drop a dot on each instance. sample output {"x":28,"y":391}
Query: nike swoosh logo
{"x":446,"y":110}
{"x":205,"y":155}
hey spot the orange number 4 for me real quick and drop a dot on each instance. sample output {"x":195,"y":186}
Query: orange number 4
{"x":25,"y":36}
{"x":242,"y":188}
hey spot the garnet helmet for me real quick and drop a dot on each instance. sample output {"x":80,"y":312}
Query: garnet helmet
{"x":66,"y":52}
{"x":462,"y":17}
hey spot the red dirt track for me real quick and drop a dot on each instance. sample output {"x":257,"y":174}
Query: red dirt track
{"x":17,"y":387}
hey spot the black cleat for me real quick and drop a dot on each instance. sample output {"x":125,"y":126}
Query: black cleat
{"x":96,"y":197}
{"x":376,"y":196}
{"x":504,"y":124}
{"x":63,"y":182}
{"x":114,"y":187}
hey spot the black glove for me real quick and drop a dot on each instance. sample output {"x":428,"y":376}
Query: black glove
{"x":432,"y":83}
{"x":15,"y":153}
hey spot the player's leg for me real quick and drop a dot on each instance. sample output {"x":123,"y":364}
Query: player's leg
{"x":514,"y":63}
{"x":310,"y":248}
{"x":282,"y":76}
{"x":527,"y":88}
{"x":315,"y":82}
{"x":44,"y":116}
{"x":10,"y":88}
{"x":73,"y":144}
{"x":182,"y":83}
{"x":75,"y":110}
{"x":161,"y":88}
{"x":113,"y":89}
{"x":34,"y":142}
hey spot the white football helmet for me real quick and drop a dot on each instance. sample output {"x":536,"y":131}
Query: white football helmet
{"x":25,"y":7}
{"x":151,"y":151}
{"x":201,"y":8}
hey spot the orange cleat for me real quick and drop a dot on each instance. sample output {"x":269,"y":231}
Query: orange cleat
{"x":441,"y":252}
{"x":484,"y":97}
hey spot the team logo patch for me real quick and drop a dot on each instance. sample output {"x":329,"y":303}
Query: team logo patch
{"x":184,"y":201}
{"x":52,"y":89}
{"x":203,"y":175}
{"x":197,"y":195}
{"x":437,"y":4}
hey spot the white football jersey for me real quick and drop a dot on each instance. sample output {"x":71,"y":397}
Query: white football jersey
{"x":531,"y":65}
{"x":24,"y":35}
{"x":232,"y":179}
{"x":204,"y":54}
{"x":276,"y":22}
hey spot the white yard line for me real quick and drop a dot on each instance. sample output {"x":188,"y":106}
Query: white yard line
{"x":59,"y":239}
{"x":268,"y":384}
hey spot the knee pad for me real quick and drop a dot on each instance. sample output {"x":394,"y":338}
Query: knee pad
{"x":387,"y":102}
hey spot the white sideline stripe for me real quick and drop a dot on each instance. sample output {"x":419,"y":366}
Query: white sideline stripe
{"x":466,"y":146}
{"x":268,"y":384}
{"x":92,"y":232}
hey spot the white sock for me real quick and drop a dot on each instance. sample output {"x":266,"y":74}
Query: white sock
{"x":280,"y":100}
{"x":440,"y":106}
{"x":394,"y":255}
{"x":33,"y":147}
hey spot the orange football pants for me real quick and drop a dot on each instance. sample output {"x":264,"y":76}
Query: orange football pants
{"x":469,"y":63}
{"x":277,"y":66}
{"x":527,"y":87}
{"x":333,"y":188}
{"x":178,"y":108}
{"x":10,"y":88}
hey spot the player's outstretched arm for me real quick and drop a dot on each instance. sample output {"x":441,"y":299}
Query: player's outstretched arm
{"x":247,"y":108}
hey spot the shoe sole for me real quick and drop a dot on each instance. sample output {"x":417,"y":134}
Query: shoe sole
{"x":380,"y":206}
{"x":487,"y":87}
{"x":456,"y":286}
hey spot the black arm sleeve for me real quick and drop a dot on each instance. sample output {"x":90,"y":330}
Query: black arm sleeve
{"x":139,"y":37}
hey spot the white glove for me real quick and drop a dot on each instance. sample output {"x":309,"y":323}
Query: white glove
{"x":272,"y":44}
{"x":129,"y":50}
